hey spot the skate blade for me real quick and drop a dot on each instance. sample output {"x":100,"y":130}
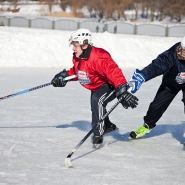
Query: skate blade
{"x":97,"y":146}
{"x":137,"y":138}
{"x":130,"y":138}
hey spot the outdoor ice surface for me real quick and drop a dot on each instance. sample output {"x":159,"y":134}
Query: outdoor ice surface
{"x":40,"y":128}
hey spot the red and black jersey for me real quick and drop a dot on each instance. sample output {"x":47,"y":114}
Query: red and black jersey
{"x":96,"y":69}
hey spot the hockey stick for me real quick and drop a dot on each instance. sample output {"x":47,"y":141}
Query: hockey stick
{"x":68,"y":163}
{"x":34,"y":88}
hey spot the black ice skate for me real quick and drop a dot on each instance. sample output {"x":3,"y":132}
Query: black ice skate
{"x":110,"y":127}
{"x":97,"y":141}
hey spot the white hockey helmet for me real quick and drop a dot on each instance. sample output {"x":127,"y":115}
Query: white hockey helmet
{"x":80,"y":35}
{"x":183,"y":43}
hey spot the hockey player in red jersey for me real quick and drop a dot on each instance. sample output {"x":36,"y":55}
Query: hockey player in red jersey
{"x":96,"y":71}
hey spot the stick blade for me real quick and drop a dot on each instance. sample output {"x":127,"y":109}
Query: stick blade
{"x":68,"y":163}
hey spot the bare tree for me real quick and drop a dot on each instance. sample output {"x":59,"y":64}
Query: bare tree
{"x":64,"y":4}
{"x":174,"y":9}
{"x":120,"y":6}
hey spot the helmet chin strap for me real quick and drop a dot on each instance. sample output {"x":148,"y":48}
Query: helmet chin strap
{"x":83,"y":51}
{"x":81,"y":47}
{"x":85,"y":48}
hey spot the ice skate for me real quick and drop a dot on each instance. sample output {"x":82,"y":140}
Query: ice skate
{"x":142,"y":131}
{"x":110,"y":127}
{"x":97,"y":141}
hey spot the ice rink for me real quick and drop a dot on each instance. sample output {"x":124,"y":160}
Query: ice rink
{"x":40,"y":128}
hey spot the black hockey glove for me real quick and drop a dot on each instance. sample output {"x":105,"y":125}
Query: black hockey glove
{"x":57,"y":80}
{"x":129,"y":100}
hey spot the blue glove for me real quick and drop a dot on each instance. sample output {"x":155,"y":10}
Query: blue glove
{"x":136,"y":81}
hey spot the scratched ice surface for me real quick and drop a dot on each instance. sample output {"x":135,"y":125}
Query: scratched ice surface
{"x":40,"y":128}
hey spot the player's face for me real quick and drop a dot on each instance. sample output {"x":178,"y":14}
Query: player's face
{"x":183,"y":53}
{"x":77,"y":49}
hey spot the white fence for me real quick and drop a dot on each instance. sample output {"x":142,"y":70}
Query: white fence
{"x":94,"y":26}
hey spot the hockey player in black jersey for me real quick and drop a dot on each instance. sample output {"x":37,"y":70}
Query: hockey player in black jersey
{"x":170,"y":64}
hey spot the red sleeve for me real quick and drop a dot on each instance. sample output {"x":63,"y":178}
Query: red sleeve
{"x":71,"y":72}
{"x":108,"y":68}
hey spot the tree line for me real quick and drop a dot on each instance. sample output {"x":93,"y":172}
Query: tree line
{"x":153,"y":9}
{"x":115,"y":9}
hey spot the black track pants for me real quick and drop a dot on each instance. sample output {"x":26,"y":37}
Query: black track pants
{"x":159,"y":105}
{"x":99,"y":100}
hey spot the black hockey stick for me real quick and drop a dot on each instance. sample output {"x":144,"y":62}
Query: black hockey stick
{"x":68,"y":163}
{"x":33,"y":88}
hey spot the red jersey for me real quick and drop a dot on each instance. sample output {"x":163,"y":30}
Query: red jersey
{"x":96,"y":69}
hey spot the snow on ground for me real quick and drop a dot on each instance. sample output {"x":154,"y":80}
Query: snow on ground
{"x":24,"y":47}
{"x":40,"y":128}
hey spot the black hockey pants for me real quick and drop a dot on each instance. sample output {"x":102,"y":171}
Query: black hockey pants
{"x":159,"y":105}
{"x":99,"y":100}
